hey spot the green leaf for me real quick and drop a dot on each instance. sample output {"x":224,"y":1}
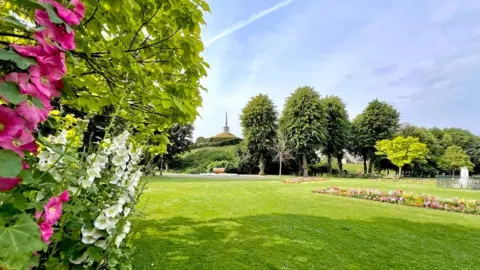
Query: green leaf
{"x":10,"y":20}
{"x":205,"y":6}
{"x":95,"y":253}
{"x":52,"y":14}
{"x":27,"y":4}
{"x":22,"y":62}
{"x":27,"y":178}
{"x":10,"y":164}
{"x":18,"y":241}
{"x":11,"y":93}
{"x":37,"y":102}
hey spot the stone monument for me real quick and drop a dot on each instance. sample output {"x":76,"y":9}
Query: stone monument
{"x":463,"y":181}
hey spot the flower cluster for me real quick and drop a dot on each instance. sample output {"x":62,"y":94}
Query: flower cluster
{"x":49,"y":217}
{"x":399,"y":197}
{"x":20,"y":117}
{"x":298,"y":180}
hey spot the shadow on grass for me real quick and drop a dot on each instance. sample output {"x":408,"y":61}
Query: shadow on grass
{"x":279,"y":241}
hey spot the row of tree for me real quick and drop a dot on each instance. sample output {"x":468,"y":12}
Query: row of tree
{"x":310,"y":124}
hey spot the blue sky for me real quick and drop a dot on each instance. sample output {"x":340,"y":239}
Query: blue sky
{"x":421,"y":56}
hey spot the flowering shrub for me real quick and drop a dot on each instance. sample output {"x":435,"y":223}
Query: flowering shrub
{"x":298,"y":180}
{"x":399,"y":197}
{"x":59,"y":208}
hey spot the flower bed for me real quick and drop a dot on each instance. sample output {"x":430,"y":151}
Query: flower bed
{"x":399,"y":197}
{"x":298,"y":180}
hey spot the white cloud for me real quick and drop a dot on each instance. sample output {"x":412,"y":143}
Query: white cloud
{"x":242,"y":24}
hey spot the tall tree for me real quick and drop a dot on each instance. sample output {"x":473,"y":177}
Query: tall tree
{"x":303,"y":123}
{"x":379,"y":121}
{"x":454,"y":158}
{"x":337,"y":130}
{"x":259,"y":127}
{"x":402,"y":151}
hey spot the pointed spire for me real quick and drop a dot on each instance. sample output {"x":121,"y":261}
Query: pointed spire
{"x":226,"y":129}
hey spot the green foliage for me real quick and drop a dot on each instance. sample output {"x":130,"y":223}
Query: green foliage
{"x":259,"y":127}
{"x":197,"y":160}
{"x":20,"y":61}
{"x":216,"y":141}
{"x":180,"y":140}
{"x":454,"y":158}
{"x":303,"y":122}
{"x":11,"y":93}
{"x":337,"y":128}
{"x":402,"y":150}
{"x":140,"y":56}
{"x":379,"y":121}
{"x":19,"y":238}
{"x":10,"y":164}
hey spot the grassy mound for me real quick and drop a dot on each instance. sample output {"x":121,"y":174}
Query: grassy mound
{"x":197,"y":160}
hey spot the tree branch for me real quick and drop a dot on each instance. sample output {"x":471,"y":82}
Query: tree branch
{"x":14,"y":35}
{"x":155,"y":43}
{"x":140,"y":28}
{"x":93,"y":14}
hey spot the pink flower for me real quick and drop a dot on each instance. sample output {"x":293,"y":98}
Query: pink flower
{"x":57,"y":33}
{"x":46,"y":232}
{"x":10,"y":123}
{"x":46,"y":38}
{"x":21,"y":141}
{"x":33,"y":114}
{"x":69,"y":16}
{"x":45,"y":86}
{"x":7,"y":184}
{"x":53,"y":210}
{"x":22,"y":80}
{"x":29,"y":51}
{"x":64,"y":196}
{"x":52,"y":66}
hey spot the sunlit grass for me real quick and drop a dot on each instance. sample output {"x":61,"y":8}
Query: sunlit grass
{"x":264,"y":224}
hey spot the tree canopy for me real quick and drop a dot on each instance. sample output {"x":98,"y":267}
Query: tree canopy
{"x":303,"y":122}
{"x":454,"y":158}
{"x":259,"y":127}
{"x":402,"y":150}
{"x":337,"y":128}
{"x":143,"y":57}
{"x":379,"y":121}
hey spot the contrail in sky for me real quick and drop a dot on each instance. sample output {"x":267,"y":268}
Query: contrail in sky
{"x":242,"y":24}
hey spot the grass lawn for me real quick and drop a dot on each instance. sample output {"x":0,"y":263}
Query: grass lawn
{"x":264,"y":224}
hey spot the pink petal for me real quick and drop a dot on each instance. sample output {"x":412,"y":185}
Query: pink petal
{"x":46,"y":232}
{"x":66,"y":14}
{"x":79,"y":8}
{"x":64,"y":196}
{"x":10,"y":123}
{"x":29,"y":51}
{"x":7,"y":184}
{"x":45,"y":38}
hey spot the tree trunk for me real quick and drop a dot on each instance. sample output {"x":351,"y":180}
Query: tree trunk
{"x":329,"y":164}
{"x":400,"y":171}
{"x":340,"y":164}
{"x":365,"y":164}
{"x":370,"y":165}
{"x":166,"y":166}
{"x":161,"y":165}
{"x":453,"y":174}
{"x":305,"y":165}
{"x":280,"y":170}
{"x":261,"y":165}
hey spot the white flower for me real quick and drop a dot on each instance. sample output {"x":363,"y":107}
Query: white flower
{"x":101,"y":244}
{"x":53,"y":159}
{"x":102,"y":222}
{"x":126,"y":227}
{"x":113,"y":211}
{"x":101,"y":161}
{"x":43,"y":156}
{"x":115,"y":180}
{"x":119,"y":171}
{"x":126,"y":211}
{"x":87,"y":182}
{"x":118,"y":160}
{"x":88,"y":239}
{"x":80,"y":259}
{"x":39,"y":197}
{"x":61,"y":138}
{"x":74,"y":190}
{"x":119,"y":239}
{"x":56,"y":175}
{"x":94,"y":171}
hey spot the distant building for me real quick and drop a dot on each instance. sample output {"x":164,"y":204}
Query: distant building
{"x":226,"y":130}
